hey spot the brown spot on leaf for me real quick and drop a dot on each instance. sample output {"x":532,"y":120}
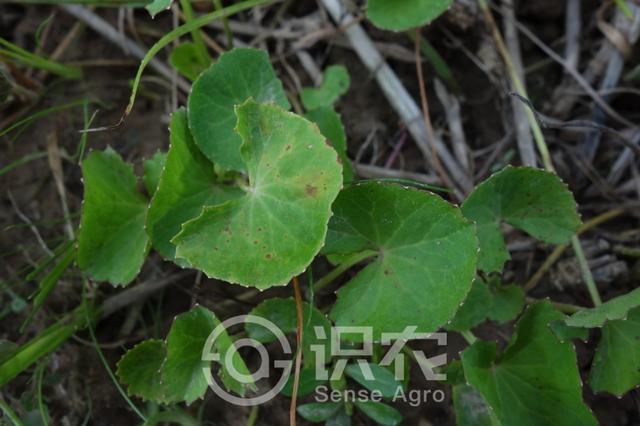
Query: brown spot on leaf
{"x":311,"y":190}
{"x":268,"y":256}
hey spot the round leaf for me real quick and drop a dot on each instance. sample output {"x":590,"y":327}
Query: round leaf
{"x":238,"y":75}
{"x":139,"y":369}
{"x":187,"y":184}
{"x":275,"y":229}
{"x":335,"y":83}
{"x":401,"y":15}
{"x":382,"y":414}
{"x":616,"y":364}
{"x":533,"y":200}
{"x":535,"y":378}
{"x":426,"y":257}
{"x":112,"y":243}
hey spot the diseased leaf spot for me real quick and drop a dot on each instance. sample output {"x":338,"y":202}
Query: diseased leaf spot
{"x":311,"y":190}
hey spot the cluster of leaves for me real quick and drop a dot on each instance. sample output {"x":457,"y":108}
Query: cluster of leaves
{"x":250,"y":193}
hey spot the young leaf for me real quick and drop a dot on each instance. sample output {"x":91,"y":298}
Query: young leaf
{"x":529,"y":199}
{"x":616,"y":364}
{"x":318,"y":411}
{"x":152,"y":170}
{"x":182,"y":372}
{"x":157,"y":6}
{"x":382,"y":414}
{"x":535,"y":378}
{"x":238,"y":75}
{"x":614,"y":309}
{"x":187,"y":61}
{"x":282,"y":312}
{"x":426,"y":261}
{"x":406,"y":14}
{"x":335,"y":83}
{"x":276,"y":228}
{"x":139,"y":369}
{"x":187,"y":184}
{"x":330,"y":125}
{"x":491,"y":300}
{"x":112,"y":243}
{"x":383,"y":380}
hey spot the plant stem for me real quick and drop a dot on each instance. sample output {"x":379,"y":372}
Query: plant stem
{"x":9,"y":413}
{"x":196,"y":35}
{"x":346,"y":264}
{"x":563,"y":307}
{"x":427,"y":118}
{"x":198,"y":22}
{"x":540,"y":141}
{"x":468,"y":336}
{"x":253,"y":416}
{"x":296,"y":374}
{"x":103,"y":359}
{"x":557,"y":252}
{"x":586,"y":272}
{"x":517,"y":84}
{"x":225,"y":25}
{"x":41,"y":407}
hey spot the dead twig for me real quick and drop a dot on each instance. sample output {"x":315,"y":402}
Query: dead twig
{"x":523,"y":132}
{"x":395,"y":92}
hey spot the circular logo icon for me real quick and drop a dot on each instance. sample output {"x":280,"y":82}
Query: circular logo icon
{"x":226,"y":360}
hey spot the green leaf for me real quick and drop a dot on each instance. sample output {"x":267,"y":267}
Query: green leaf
{"x":112,"y":243}
{"x":381,"y":413}
{"x":535,"y":381}
{"x":152,"y":170}
{"x":488,"y":300}
{"x":470,"y":408}
{"x":139,"y":369}
{"x":533,"y":200}
{"x":383,"y":380}
{"x":307,"y":385}
{"x":282,"y":312}
{"x":341,"y":418}
{"x":614,"y":309}
{"x":157,"y":6}
{"x":616,"y":364}
{"x":426,"y":257}
{"x":318,"y":411}
{"x":186,"y":59}
{"x":330,"y":125}
{"x":565,"y":332}
{"x":182,"y":372}
{"x":238,"y":75}
{"x":272,"y":232}
{"x":401,"y":15}
{"x":335,"y":83}
{"x":187,"y":184}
